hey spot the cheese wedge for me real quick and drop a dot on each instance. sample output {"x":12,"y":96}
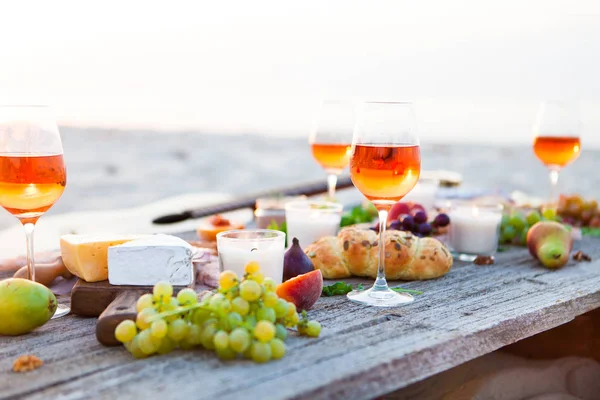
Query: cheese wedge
{"x":86,"y":256}
{"x":149,"y":260}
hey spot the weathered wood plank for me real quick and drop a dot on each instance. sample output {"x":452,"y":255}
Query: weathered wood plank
{"x":362,"y":353}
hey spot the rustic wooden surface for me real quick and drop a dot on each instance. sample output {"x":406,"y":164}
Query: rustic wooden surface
{"x":362,"y":352}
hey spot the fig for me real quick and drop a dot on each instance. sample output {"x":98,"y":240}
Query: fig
{"x":295,"y":262}
{"x":550,"y":243}
{"x":303,"y":290}
{"x":26,"y":305}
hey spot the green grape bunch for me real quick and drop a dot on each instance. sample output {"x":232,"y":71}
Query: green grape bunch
{"x":515,"y":225}
{"x":242,"y":318}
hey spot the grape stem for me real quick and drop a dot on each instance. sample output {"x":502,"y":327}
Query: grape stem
{"x":178,"y":310}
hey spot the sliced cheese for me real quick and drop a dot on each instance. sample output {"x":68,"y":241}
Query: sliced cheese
{"x":86,"y":256}
{"x":148,"y":260}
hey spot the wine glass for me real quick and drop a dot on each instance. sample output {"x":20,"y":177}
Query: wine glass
{"x":331,"y":140}
{"x":384,"y":166}
{"x":32,"y":170}
{"x":556,"y":139}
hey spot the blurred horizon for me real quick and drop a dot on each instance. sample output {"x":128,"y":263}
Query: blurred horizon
{"x":476,"y":72}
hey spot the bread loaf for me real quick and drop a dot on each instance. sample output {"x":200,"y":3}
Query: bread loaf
{"x":355,"y":252}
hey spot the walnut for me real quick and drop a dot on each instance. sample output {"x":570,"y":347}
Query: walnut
{"x":27,"y":363}
{"x":581,"y":256}
{"x":483,"y":260}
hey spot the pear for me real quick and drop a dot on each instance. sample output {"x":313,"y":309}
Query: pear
{"x":550,"y":243}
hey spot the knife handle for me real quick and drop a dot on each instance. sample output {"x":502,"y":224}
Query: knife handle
{"x":122,"y":307}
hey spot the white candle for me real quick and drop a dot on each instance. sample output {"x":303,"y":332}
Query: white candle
{"x":238,"y":248}
{"x":474,"y":230}
{"x":309,"y":221}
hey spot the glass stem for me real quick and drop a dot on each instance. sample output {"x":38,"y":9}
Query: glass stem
{"x":554,"y":186}
{"x":331,"y":182}
{"x":380,"y":282}
{"x":29,"y":228}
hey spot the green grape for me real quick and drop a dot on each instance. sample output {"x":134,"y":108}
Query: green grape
{"x":235,"y":320}
{"x":177,"y":330}
{"x":266,"y":314}
{"x":277,"y":348}
{"x":507,"y":233}
{"x":523,"y":237}
{"x":224,"y":323}
{"x":125,"y":331}
{"x":269,"y":284}
{"x":227,"y":280}
{"x":158,"y":329}
{"x":250,"y":321}
{"x":291,"y":309}
{"x":221,"y":340}
{"x":240,"y":306}
{"x":194,"y":335}
{"x":162,"y":291}
{"x":187,"y":296}
{"x":505,"y":219}
{"x":517,"y":221}
{"x":166,"y":346}
{"x":264,"y":331}
{"x":260,"y":352}
{"x":270,"y":299}
{"x":206,"y":298}
{"x":257,"y":277}
{"x":280,"y":332}
{"x":250,"y":290}
{"x":292,"y":320}
{"x":142,"y":318}
{"x":313,"y":328}
{"x":207,"y":337}
{"x":219,"y":303}
{"x":252,"y":267}
{"x":281,"y":308}
{"x":226,"y":354}
{"x":200,"y":316}
{"x":146,"y":344}
{"x":134,"y":348}
{"x":533,"y":217}
{"x":549,"y":214}
{"x":210,"y":322}
{"x":145,"y":301}
{"x":239,"y":340}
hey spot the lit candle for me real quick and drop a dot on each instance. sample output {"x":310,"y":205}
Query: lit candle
{"x":237,"y":248}
{"x":308,"y":221}
{"x":474,"y":229}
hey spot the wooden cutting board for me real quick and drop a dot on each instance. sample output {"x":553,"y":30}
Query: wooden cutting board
{"x":113,"y":303}
{"x":110,"y":303}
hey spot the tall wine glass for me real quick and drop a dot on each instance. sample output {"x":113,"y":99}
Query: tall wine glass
{"x":32,"y":170}
{"x":331,"y":139}
{"x":384,"y":166}
{"x":556,"y":139}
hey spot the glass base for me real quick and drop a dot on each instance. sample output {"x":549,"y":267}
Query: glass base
{"x":61,"y":311}
{"x":380,"y":298}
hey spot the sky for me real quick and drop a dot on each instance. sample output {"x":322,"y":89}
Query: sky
{"x":476,"y":70}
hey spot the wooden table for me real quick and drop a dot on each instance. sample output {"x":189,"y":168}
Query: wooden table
{"x":362,"y":352}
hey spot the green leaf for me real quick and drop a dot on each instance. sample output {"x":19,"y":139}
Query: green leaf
{"x":336,"y":289}
{"x":401,"y":290}
{"x":589,"y":231}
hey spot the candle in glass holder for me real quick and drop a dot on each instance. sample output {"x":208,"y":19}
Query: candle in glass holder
{"x":474,"y":230}
{"x":237,"y":248}
{"x":308,"y":221}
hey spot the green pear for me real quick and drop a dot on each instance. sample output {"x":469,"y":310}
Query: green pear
{"x":550,"y":243}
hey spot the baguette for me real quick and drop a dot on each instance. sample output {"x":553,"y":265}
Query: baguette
{"x":355,"y":252}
